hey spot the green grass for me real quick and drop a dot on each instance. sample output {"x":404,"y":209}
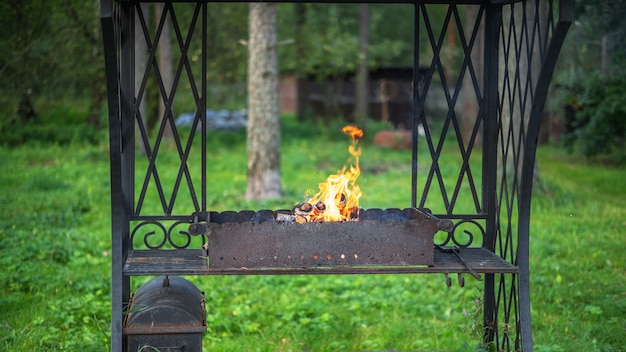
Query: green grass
{"x":55,"y":259}
{"x":577,"y":261}
{"x":54,"y":249}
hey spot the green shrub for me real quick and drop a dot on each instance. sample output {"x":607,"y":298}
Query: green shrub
{"x":599,"y":126}
{"x":59,"y":123}
{"x":61,"y":134}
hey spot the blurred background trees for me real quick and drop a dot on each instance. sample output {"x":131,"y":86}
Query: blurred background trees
{"x":52,"y":53}
{"x":52,"y":85}
{"x":589,"y":90}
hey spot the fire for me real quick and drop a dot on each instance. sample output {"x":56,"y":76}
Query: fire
{"x":338,"y":196}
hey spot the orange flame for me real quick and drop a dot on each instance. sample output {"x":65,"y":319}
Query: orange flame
{"x":338,"y":196}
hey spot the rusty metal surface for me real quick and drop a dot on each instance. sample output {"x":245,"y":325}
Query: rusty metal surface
{"x":381,"y":238}
{"x":192,"y":262}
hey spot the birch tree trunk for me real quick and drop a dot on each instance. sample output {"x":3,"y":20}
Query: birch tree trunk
{"x":263,"y":142}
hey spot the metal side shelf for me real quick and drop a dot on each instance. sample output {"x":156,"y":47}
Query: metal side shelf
{"x":473,"y":261}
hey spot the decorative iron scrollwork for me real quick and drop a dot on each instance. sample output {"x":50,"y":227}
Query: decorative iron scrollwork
{"x":184,"y":233}
{"x":462,"y":235}
{"x":156,"y":235}
{"x":150,"y":235}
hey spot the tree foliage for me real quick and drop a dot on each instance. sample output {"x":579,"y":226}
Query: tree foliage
{"x":599,"y":125}
{"x":329,"y":36}
{"x":51,"y":53}
{"x":49,"y":46}
{"x":602,"y":22}
{"x":52,"y":50}
{"x":591,"y":84}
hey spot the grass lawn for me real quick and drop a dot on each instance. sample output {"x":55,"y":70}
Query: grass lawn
{"x":55,"y":260}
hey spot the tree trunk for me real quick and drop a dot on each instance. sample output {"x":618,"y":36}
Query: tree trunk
{"x":471,"y":109}
{"x":263,"y":141}
{"x":302,"y":86}
{"x":165,"y":68}
{"x":141,"y":60}
{"x":605,"y":60}
{"x":362,"y":78}
{"x":98,"y":90}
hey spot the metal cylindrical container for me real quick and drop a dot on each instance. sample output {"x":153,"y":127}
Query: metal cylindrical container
{"x":166,"y":314}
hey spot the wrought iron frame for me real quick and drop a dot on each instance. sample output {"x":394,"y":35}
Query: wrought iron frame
{"x":519,"y":58}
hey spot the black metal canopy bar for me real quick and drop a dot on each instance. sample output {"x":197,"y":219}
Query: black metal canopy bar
{"x":507,"y":55}
{"x":434,"y":2}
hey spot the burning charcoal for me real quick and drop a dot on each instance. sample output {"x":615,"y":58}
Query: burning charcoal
{"x":354,"y":213}
{"x":341,"y":200}
{"x":339,"y":192}
{"x":319,"y":207}
{"x":303,"y":209}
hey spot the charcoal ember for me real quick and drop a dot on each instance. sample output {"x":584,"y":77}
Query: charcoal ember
{"x":354,"y":213}
{"x":341,"y":200}
{"x":319,"y":207}
{"x":314,"y":212}
{"x":303,"y":209}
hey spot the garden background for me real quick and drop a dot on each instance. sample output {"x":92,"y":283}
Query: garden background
{"x":55,"y":201}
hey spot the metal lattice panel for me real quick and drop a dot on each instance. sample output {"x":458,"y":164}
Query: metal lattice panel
{"x":188,"y":76}
{"x":436,"y":188}
{"x":530,"y":35}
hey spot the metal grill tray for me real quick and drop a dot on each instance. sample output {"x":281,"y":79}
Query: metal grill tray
{"x":379,"y":237}
{"x":194,"y":262}
{"x":382,"y":241}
